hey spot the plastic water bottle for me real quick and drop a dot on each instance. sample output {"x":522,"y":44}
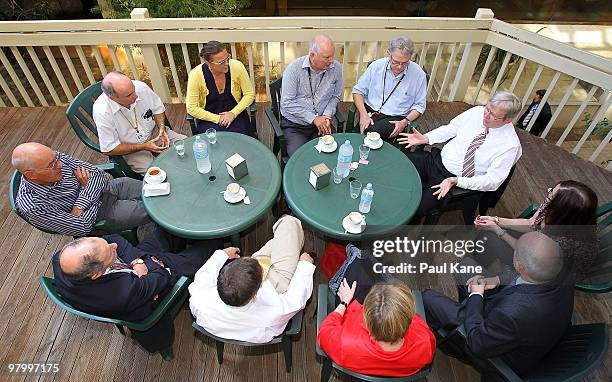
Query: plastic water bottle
{"x":367,"y":194}
{"x":345,"y":157}
{"x":200,"y":152}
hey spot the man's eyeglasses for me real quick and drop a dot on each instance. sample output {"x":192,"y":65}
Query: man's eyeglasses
{"x":225,"y":61}
{"x":397,"y":63}
{"x":53,"y":164}
{"x":493,"y":115}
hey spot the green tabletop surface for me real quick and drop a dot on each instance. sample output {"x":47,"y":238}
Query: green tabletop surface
{"x":395,"y":180}
{"x":195,"y":207}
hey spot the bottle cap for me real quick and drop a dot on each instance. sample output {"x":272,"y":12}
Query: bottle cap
{"x":347,"y":142}
{"x":369,"y":185}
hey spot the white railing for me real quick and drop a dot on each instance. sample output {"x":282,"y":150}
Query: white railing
{"x":49,"y":62}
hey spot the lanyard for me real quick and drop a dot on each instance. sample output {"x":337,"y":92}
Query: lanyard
{"x":129,"y":121}
{"x":312,"y":93}
{"x":384,"y":100}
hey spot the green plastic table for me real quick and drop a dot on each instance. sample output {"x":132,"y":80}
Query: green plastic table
{"x":195,"y":207}
{"x":396,"y":183}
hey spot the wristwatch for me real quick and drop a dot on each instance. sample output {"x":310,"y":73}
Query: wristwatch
{"x":496,"y":218}
{"x":343,"y":303}
{"x":409,"y":121}
{"x":137,"y":261}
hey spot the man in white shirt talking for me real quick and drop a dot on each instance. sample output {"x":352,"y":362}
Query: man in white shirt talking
{"x":253,"y":298}
{"x":481,"y":150}
{"x":129,"y":118}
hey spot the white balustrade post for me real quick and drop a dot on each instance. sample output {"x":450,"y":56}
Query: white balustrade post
{"x":471,"y":53}
{"x":153,"y":62}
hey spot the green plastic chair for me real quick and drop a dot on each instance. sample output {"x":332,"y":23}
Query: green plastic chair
{"x":79,"y":114}
{"x":294,"y":326}
{"x":101,"y":226}
{"x":273,"y":114}
{"x":580,"y":351}
{"x":602,"y":265}
{"x":252,"y":110}
{"x":325,"y":305}
{"x":171,"y":305}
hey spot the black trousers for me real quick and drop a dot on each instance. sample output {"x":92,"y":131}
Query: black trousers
{"x":432,"y":172}
{"x":361,"y":271}
{"x":382,"y":123}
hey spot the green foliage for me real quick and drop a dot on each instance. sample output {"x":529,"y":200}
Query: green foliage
{"x":25,"y":10}
{"x":602,"y":128}
{"x":181,"y":8}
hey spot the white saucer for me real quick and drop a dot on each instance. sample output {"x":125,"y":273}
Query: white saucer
{"x":241,"y":195}
{"x":371,"y":145}
{"x":147,"y":177}
{"x":327,"y":149}
{"x":350,"y":228}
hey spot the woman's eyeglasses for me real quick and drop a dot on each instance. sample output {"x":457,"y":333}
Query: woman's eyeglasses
{"x":225,"y":61}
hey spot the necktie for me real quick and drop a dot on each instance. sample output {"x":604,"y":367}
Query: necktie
{"x":119,"y":265}
{"x":468,"y":161}
{"x":532,"y":110}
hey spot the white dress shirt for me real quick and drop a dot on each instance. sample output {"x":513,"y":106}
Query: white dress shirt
{"x":262,"y":319}
{"x":117,"y":124}
{"x":493,"y":160}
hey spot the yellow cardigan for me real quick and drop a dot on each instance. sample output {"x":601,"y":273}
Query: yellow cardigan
{"x":241,"y":90}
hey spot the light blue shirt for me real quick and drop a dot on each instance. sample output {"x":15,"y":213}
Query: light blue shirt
{"x":409,"y":95}
{"x":297,"y":95}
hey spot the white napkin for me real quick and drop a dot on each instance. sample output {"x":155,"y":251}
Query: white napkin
{"x":156,"y":189}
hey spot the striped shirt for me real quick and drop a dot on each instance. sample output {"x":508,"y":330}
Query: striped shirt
{"x":48,"y":207}
{"x":305,"y":97}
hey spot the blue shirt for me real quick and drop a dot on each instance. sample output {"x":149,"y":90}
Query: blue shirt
{"x":48,"y":206}
{"x":305,"y":97}
{"x":409,"y":95}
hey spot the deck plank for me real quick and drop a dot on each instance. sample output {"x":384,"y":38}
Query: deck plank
{"x":32,"y":328}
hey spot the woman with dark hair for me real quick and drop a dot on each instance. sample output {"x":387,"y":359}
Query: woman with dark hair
{"x":567,"y":215}
{"x":219,"y":91}
{"x":379,"y":332}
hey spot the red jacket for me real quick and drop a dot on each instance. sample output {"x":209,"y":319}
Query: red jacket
{"x":347,"y":341}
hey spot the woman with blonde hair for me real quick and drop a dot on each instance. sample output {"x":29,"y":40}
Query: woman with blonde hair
{"x":380,"y":334}
{"x":219,"y":91}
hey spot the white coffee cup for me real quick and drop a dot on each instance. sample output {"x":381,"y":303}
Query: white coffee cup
{"x":355,"y":218}
{"x":154,"y":174}
{"x":373,"y":136}
{"x":232,"y":190}
{"x":328,"y":140}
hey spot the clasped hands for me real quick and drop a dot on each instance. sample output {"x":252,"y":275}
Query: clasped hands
{"x":479,"y":283}
{"x":323,"y":123}
{"x":226,"y":118}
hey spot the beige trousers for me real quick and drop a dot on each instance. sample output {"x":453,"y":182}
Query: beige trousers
{"x":283,"y":250}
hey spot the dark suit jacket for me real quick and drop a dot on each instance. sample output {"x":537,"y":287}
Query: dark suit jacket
{"x":520,"y":323}
{"x":118,"y":295}
{"x":540,"y":123}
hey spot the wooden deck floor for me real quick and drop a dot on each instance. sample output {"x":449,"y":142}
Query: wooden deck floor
{"x":33,"y":329}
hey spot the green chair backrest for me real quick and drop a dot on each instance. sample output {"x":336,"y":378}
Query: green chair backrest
{"x":48,"y":285}
{"x":602,"y":211}
{"x":79,"y":114}
{"x":275,"y":95}
{"x":14,"y":189}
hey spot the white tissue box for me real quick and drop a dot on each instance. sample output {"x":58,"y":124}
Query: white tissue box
{"x":156,"y":189}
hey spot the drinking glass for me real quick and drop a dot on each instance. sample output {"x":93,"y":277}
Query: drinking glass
{"x":336,"y":176}
{"x":211,"y":134}
{"x":179,"y":145}
{"x":355,"y":188}
{"x":364,"y":151}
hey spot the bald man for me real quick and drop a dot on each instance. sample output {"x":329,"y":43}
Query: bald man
{"x":66,"y":195}
{"x":520,"y":321}
{"x":312,"y":87}
{"x":109,"y":277}
{"x":129,"y":118}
